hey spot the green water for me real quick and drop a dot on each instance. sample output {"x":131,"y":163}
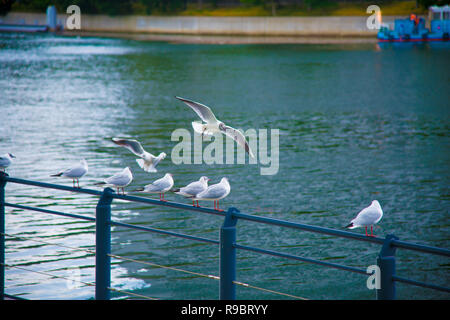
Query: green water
{"x":357,"y":123}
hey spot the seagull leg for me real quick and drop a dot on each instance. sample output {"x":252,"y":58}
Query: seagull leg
{"x":198,"y":205}
{"x":193,"y":203}
{"x":214,"y":204}
{"x":371,"y":231}
{"x":366,"y":232}
{"x":78,"y":183}
{"x":218,"y":206}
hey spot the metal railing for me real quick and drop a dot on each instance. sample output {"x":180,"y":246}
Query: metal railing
{"x":227,"y":242}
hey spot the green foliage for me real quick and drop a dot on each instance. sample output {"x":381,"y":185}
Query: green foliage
{"x":428,"y":3}
{"x":5,"y":6}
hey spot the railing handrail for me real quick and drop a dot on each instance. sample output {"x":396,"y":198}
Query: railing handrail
{"x":227,"y":242}
{"x":243,"y":216}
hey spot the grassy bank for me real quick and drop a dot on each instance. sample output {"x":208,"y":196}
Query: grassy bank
{"x":330,"y":9}
{"x":325,"y":8}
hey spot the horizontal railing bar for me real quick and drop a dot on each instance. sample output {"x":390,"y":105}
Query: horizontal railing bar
{"x":180,"y":235}
{"x":303,"y":259}
{"x":306,"y":227}
{"x":169,"y":233}
{"x":52,"y":186}
{"x":420,"y":284}
{"x":175,"y":205}
{"x":420,"y":247}
{"x":19,"y":206}
{"x":243,"y":216}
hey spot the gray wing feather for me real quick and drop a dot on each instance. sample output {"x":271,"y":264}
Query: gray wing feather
{"x":213,"y":192}
{"x":237,"y":136}
{"x":201,"y":110}
{"x":132,"y":145}
{"x":76,"y":172}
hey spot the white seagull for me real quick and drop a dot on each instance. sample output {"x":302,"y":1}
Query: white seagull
{"x":213,"y":125}
{"x":148,"y":161}
{"x":119,"y":180}
{"x":74,"y":173}
{"x":160,"y":186}
{"x":5,"y":161}
{"x":367,"y":217}
{"x":193,"y":188}
{"x":215,"y":192}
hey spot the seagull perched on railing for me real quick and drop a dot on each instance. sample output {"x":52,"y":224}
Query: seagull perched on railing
{"x":193,"y":189}
{"x":74,"y":173}
{"x":160,"y":186}
{"x":367,"y":217}
{"x":213,"y":125}
{"x":119,"y":180}
{"x":148,"y":161}
{"x":5,"y":161}
{"x":215,"y":192}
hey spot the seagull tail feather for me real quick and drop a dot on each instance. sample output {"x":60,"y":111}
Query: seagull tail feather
{"x":350,"y":226}
{"x":56,"y":175}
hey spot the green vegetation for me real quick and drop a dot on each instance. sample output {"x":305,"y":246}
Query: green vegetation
{"x":225,"y":7}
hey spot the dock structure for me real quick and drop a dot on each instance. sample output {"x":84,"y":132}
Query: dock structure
{"x":227,"y":242}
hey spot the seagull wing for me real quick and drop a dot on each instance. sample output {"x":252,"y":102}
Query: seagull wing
{"x":201,"y":110}
{"x":118,"y":179}
{"x":75,"y":172}
{"x":132,"y":145}
{"x":193,"y":188}
{"x":237,"y":136}
{"x":367,"y":216}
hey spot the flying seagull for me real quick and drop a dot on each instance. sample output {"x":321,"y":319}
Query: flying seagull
{"x":119,"y":180}
{"x":74,"y":173}
{"x":367,"y":217}
{"x":148,"y":161}
{"x":5,"y":161}
{"x":212,"y":125}
{"x":214,"y":192}
{"x":193,"y":188}
{"x":160,"y":186}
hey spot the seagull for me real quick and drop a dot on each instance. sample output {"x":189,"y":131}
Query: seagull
{"x":367,"y":217}
{"x":214,"y":192}
{"x":148,"y":161}
{"x":5,"y":161}
{"x":193,"y":188}
{"x":74,"y":173}
{"x":213,"y":125}
{"x":119,"y":180}
{"x":160,"y":186}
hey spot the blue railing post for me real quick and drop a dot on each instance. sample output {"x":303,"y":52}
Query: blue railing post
{"x":2,"y":234}
{"x":228,"y":256}
{"x":103,"y":246}
{"x":386,"y":263}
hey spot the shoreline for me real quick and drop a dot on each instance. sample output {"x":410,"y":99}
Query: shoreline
{"x":225,"y":39}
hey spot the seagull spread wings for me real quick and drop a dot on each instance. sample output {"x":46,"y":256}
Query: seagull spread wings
{"x":237,"y":136}
{"x":201,"y":110}
{"x":132,"y":145}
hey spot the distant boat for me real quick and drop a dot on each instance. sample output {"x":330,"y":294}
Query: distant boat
{"x":413,"y":28}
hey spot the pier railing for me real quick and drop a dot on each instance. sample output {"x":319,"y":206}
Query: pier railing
{"x":228,"y":244}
